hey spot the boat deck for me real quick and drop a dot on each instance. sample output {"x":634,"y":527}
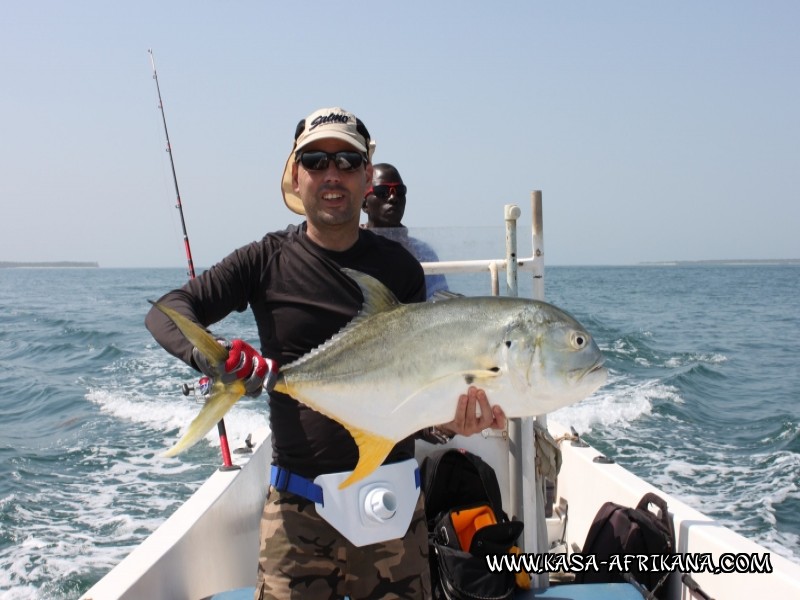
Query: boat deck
{"x":586,"y":591}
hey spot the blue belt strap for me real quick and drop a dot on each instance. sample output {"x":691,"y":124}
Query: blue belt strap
{"x":284,"y":480}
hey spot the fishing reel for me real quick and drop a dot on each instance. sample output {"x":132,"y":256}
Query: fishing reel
{"x":200,"y":390}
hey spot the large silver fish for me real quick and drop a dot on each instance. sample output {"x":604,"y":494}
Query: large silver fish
{"x":398,"y":368}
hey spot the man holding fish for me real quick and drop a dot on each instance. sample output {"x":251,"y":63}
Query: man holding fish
{"x":293,"y":281}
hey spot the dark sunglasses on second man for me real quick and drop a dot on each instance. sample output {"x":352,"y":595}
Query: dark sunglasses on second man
{"x":317,"y":160}
{"x":384,"y":191}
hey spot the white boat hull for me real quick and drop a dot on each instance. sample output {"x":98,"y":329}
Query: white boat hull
{"x":210,"y":544}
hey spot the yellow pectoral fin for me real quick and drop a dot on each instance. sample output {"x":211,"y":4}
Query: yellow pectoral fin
{"x":222,"y":397}
{"x":372,"y":451}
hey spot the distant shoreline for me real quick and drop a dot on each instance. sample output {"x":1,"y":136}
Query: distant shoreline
{"x":744,"y":261}
{"x":656,"y":263}
{"x":62,"y":264}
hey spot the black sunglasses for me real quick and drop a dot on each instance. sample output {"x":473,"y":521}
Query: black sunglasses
{"x":384,"y":191}
{"x":317,"y":160}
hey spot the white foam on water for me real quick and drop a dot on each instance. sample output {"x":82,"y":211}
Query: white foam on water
{"x":619,"y":403}
{"x":123,"y":491}
{"x":100,"y":516}
{"x":750,"y":510}
{"x":676,"y":362}
{"x":172,"y":416}
{"x":147,"y":391}
{"x":10,"y":589}
{"x":6,"y":500}
{"x":692,"y":467}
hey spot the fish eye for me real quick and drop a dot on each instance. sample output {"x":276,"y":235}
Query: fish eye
{"x":579,"y":340}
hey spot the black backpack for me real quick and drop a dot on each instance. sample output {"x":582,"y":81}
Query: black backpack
{"x":619,"y":530}
{"x":466,"y":522}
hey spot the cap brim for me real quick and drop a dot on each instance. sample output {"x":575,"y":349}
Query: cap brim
{"x":292,"y":200}
{"x":327,"y":134}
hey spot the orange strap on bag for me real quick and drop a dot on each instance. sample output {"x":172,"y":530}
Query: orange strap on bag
{"x":522,"y":579}
{"x":467,"y":521}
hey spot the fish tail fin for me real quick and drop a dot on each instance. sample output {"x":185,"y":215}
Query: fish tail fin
{"x":222,"y":397}
{"x":199,"y":337}
{"x":372,"y":450}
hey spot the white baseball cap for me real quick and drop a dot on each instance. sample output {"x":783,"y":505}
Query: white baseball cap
{"x":325,"y":123}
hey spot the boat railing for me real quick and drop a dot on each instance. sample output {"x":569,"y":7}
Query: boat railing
{"x":512,"y":264}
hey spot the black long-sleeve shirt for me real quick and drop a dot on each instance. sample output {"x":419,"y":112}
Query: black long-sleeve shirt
{"x":299,"y":298}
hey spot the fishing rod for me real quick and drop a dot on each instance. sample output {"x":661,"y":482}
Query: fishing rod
{"x":179,"y":206}
{"x":227,"y":463}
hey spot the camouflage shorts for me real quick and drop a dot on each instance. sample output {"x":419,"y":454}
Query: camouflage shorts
{"x":302,"y":556}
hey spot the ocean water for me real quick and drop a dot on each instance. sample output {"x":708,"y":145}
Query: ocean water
{"x":703,"y":400}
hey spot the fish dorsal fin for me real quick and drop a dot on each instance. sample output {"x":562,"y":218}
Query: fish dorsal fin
{"x":377,"y":297}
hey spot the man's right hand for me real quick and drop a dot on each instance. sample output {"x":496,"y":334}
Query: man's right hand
{"x":243,"y":362}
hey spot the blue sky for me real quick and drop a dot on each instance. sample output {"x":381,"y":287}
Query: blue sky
{"x":656,"y":131}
